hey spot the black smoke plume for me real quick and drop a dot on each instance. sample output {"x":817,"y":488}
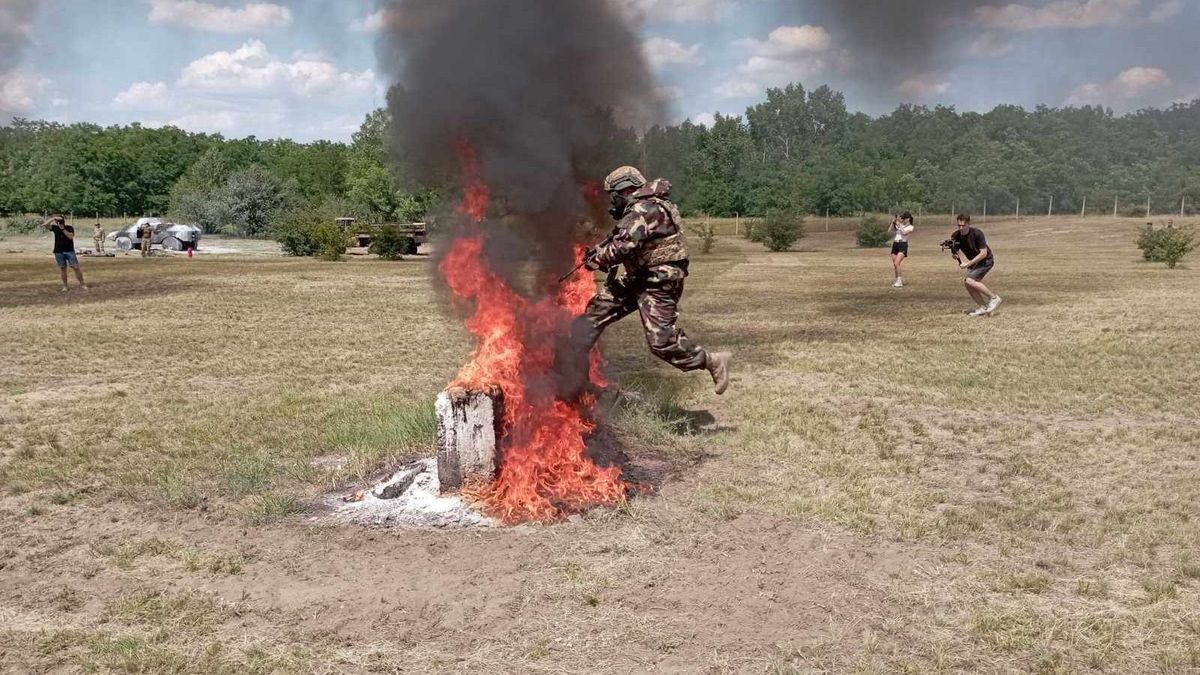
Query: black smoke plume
{"x":16,"y":25}
{"x":896,"y":39}
{"x":541,"y":89}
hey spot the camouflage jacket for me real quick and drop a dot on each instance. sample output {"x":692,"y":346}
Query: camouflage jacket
{"x":648,"y":239}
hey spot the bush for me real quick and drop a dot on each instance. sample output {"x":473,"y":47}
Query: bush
{"x":330,"y":241}
{"x":756,"y":231}
{"x":1167,"y":245}
{"x":872,"y":233}
{"x":308,"y":233}
{"x":389,"y":243}
{"x":708,"y":236}
{"x":21,"y":225}
{"x":781,"y":229}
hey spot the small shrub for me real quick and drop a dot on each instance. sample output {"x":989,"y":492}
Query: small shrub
{"x":872,"y":233}
{"x":389,"y":243}
{"x":330,"y":241}
{"x":305,"y":233}
{"x":21,"y":225}
{"x":1167,"y":245}
{"x":756,"y":232}
{"x":708,"y":237}
{"x":296,"y":239}
{"x":781,"y":229}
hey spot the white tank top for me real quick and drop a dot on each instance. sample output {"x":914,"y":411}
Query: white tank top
{"x":902,"y":232}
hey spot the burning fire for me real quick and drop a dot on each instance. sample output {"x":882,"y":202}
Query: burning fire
{"x":544,"y":472}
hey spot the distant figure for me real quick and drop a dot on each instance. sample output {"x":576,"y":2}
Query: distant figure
{"x":145,"y":232}
{"x":64,"y":250}
{"x":902,"y":226}
{"x":98,"y":238}
{"x":973,"y":244}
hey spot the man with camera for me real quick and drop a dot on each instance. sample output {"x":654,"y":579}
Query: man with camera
{"x":64,"y":250}
{"x":971,"y":243}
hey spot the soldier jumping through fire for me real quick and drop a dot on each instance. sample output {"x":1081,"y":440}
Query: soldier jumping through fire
{"x":648,"y":241}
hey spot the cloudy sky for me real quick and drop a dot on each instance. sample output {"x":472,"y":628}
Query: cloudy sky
{"x":306,"y":69}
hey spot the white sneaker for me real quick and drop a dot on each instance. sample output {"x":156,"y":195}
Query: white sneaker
{"x":979,"y":311}
{"x":899,"y":283}
{"x":993,"y":304}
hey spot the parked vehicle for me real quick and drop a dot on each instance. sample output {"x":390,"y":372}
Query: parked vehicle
{"x":171,"y":236}
{"x":361,"y":234}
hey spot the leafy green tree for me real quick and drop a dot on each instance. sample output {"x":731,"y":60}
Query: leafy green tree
{"x":254,"y":197}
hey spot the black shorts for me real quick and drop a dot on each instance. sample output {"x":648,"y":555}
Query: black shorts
{"x":979,"y":271}
{"x":900,"y":247}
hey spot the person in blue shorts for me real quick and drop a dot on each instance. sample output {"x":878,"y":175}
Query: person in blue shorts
{"x":64,"y":250}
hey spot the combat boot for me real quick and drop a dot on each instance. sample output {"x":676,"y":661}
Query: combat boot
{"x":718,"y":366}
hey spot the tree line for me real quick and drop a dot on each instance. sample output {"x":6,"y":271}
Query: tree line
{"x":805,"y":151}
{"x":797,"y":150}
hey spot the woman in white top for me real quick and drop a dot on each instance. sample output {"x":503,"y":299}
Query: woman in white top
{"x":902,"y":226}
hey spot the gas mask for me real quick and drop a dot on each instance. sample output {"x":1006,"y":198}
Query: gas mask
{"x":618,"y":203}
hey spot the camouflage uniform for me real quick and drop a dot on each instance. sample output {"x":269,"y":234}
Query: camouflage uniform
{"x":147,"y":232}
{"x":98,"y":238}
{"x":648,"y":241}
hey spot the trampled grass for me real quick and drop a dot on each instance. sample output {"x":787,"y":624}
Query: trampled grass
{"x":889,"y":486}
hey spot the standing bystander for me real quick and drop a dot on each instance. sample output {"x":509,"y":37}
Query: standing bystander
{"x":902,"y":226}
{"x":145,"y":232}
{"x":98,"y":238}
{"x":64,"y":250}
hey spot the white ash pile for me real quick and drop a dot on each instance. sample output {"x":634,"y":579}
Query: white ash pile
{"x":409,"y":498}
{"x":422,"y":494}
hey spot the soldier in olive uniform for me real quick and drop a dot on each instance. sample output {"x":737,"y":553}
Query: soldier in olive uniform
{"x":648,"y":242}
{"x":98,"y":237}
{"x":146,"y":232}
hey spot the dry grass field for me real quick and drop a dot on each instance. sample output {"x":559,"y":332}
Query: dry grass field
{"x":889,"y":486}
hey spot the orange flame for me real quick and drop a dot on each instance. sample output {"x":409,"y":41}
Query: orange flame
{"x":544,"y":471}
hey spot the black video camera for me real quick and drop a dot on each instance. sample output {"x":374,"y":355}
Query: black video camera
{"x":951,"y":245}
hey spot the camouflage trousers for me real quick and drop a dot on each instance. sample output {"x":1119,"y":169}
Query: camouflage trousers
{"x":145,"y":246}
{"x":657,"y":302}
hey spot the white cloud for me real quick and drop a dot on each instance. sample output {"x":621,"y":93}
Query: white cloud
{"x":923,"y":86}
{"x":210,"y":121}
{"x":1057,"y":14}
{"x":662,"y":51}
{"x":680,"y":11}
{"x":705,"y":119}
{"x":21,"y":92}
{"x":251,"y":17}
{"x":251,"y":68}
{"x":792,"y":41}
{"x":143,"y":96}
{"x":738,"y":88}
{"x":371,"y":23}
{"x":990,"y":45}
{"x":1133,"y":83}
{"x":1165,"y":11}
{"x":249,"y":91}
{"x":789,"y":53}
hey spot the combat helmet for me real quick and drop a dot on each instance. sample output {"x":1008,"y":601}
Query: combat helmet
{"x":623,"y":177}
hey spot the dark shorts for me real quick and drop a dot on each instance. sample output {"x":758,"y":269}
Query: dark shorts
{"x":900,"y":247}
{"x":980,"y":271}
{"x":66,"y":258}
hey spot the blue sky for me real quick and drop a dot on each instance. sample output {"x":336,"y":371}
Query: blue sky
{"x":306,"y":69}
